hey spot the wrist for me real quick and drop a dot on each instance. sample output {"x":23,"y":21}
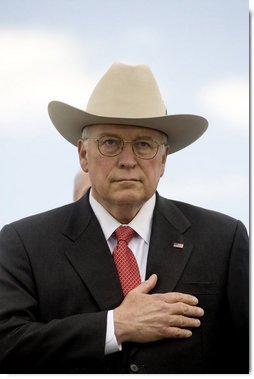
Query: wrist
{"x":120,"y":326}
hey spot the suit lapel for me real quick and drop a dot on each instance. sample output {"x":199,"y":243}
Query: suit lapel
{"x":91,"y":257}
{"x":169,"y":249}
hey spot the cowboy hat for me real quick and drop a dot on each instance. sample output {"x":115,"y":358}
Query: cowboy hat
{"x":127,"y":95}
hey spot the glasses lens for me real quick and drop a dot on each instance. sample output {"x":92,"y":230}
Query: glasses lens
{"x":142,"y":148}
{"x":145,"y":149}
{"x":110,"y":146}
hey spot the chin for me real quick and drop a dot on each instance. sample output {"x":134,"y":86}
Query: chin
{"x":129,"y":197}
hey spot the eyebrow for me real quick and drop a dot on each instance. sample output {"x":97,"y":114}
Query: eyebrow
{"x":110,"y":134}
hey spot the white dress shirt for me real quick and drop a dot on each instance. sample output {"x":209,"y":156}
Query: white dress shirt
{"x":139,"y":244}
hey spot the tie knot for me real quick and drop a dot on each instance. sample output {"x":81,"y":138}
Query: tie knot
{"x":124,"y":233}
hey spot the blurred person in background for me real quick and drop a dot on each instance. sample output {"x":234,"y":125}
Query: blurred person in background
{"x":81,"y":184}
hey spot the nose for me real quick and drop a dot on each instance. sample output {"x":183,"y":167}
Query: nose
{"x":127,"y":157}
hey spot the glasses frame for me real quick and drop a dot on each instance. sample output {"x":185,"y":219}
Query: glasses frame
{"x":123,"y":142}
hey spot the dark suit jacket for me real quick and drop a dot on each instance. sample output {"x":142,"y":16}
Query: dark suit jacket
{"x":58,"y":279}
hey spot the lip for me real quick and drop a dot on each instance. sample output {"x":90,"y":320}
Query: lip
{"x":126,"y":180}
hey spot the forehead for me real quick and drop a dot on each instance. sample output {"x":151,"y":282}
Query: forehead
{"x":122,"y":131}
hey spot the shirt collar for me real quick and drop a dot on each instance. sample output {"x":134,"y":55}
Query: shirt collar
{"x":109,"y":223}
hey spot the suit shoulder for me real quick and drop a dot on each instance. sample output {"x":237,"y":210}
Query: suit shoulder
{"x":54,"y":216}
{"x":197,"y":211}
{"x":202,"y":216}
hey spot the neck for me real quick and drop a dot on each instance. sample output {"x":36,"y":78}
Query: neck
{"x":121,"y":211}
{"x":124,"y":213}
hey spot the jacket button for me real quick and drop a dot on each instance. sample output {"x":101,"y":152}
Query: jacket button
{"x":134,"y":367}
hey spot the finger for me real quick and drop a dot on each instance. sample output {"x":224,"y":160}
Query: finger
{"x":173,"y":332}
{"x":147,"y":285}
{"x":184,"y":322}
{"x":175,"y":297}
{"x":186,"y":310}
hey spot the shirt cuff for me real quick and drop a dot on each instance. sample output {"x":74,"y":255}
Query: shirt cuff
{"x":111,"y":344}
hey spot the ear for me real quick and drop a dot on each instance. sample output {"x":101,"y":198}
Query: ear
{"x":164,"y":159}
{"x":82,"y":151}
{"x":165,"y":154}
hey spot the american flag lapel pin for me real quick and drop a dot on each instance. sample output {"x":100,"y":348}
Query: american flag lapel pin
{"x":178,"y":245}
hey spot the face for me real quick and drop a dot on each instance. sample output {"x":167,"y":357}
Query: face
{"x":124,"y":179}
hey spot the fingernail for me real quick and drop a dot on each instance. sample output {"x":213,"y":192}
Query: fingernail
{"x":195,"y":299}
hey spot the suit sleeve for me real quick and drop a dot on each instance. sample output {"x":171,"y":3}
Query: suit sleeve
{"x":238,"y":295}
{"x":27,"y":345}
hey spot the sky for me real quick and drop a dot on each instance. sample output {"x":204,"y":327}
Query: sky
{"x":198,"y":51}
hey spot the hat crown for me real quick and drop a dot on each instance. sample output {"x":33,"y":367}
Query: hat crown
{"x":127,"y":92}
{"x":127,"y":95}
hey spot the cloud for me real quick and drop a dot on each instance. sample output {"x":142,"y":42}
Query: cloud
{"x":36,"y":67}
{"x":228,"y":99}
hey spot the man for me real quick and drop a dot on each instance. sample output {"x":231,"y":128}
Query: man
{"x":81,"y":184}
{"x":123,"y":280}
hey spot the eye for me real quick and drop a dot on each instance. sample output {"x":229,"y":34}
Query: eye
{"x":109,"y":142}
{"x":144,"y":144}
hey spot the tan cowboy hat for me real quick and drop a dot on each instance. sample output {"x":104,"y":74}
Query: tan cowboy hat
{"x":127,"y":95}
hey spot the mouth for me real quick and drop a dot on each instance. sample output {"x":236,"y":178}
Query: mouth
{"x":126,"y":180}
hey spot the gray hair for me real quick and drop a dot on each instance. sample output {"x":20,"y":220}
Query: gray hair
{"x":84,"y":133}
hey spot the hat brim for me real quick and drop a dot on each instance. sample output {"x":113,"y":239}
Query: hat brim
{"x":182,"y":130}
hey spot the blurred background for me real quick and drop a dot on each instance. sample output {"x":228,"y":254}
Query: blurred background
{"x":198,"y":51}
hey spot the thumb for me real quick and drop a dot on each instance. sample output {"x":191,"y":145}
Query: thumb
{"x":147,"y":285}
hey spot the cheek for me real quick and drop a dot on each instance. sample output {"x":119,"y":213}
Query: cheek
{"x":153,"y":172}
{"x":151,"y":180}
{"x":99,"y":168}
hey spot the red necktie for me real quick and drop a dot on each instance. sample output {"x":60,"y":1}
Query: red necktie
{"x":125,"y":261}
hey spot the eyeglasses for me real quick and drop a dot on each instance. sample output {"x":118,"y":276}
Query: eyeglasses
{"x":144,"y":148}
